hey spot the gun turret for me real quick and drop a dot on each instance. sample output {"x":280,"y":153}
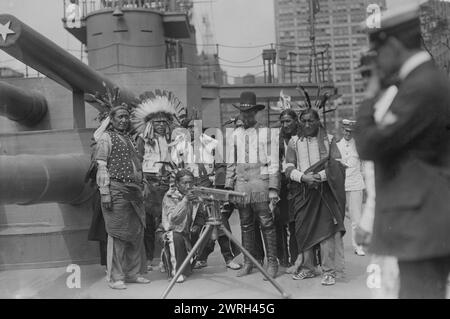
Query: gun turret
{"x":35,"y":179}
{"x":25,"y":107}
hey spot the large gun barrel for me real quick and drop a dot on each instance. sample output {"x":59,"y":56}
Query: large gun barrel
{"x":34,"y":179}
{"x":25,"y":107}
{"x":43,"y":55}
{"x":219,"y":194}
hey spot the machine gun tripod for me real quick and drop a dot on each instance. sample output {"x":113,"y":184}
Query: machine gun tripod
{"x":212,"y":199}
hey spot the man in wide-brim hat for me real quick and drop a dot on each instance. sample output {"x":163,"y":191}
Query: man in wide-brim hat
{"x":259,"y":177}
{"x":247,"y":103}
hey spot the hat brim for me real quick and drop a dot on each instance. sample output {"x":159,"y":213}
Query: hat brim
{"x":246,"y":108}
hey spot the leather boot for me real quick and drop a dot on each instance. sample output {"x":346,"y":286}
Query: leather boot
{"x":270,"y":241}
{"x":248,"y":241}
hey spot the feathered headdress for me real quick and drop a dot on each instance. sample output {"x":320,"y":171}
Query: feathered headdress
{"x":320,"y":101}
{"x":161,"y":106}
{"x":285,"y":103}
{"x":106,"y":103}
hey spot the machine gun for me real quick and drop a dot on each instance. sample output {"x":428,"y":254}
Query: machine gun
{"x":220,"y":195}
{"x":212,"y":199}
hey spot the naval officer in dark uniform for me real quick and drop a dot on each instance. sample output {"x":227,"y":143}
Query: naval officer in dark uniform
{"x":407,"y":137}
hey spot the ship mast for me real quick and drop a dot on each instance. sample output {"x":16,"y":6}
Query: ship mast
{"x":313,"y":66}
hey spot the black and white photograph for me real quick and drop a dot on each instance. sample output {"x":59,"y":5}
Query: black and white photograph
{"x":226,"y":155}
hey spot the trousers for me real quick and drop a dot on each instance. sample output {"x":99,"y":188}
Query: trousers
{"x":227,"y":248}
{"x":327,"y":256}
{"x":124,"y":259}
{"x":176,"y":247}
{"x":260,"y":212}
{"x":154,"y":195}
{"x":354,"y":200}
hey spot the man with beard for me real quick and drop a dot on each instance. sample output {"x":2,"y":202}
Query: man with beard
{"x":318,"y":196}
{"x":406,"y":134}
{"x":253,"y":172}
{"x":119,"y":177}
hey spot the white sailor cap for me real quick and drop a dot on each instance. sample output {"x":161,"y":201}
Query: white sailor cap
{"x":397,"y":22}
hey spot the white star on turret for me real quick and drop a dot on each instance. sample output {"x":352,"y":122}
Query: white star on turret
{"x":5,"y":30}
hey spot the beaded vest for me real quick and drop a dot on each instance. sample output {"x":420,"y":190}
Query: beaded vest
{"x":123,"y":153}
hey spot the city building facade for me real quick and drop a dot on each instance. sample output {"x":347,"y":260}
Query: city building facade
{"x":435,"y":21}
{"x":339,"y":41}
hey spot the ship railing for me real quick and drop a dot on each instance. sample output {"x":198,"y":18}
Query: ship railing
{"x":75,"y":11}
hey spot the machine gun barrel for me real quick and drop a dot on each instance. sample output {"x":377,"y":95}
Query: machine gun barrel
{"x":219,"y":194}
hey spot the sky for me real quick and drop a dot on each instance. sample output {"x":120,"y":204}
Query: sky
{"x":241,"y":23}
{"x":235,"y":23}
{"x":45,"y":17}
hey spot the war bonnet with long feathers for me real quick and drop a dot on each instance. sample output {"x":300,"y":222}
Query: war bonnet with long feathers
{"x":161,"y":105}
{"x":158,"y":106}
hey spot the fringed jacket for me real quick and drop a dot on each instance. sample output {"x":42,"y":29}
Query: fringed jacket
{"x":253,"y":167}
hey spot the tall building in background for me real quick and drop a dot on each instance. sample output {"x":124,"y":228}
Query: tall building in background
{"x":338,"y":37}
{"x":209,"y":64}
{"x":435,"y":22}
{"x":210,"y":70}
